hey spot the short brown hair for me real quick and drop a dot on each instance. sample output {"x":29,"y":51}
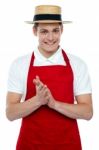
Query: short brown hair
{"x":36,"y":25}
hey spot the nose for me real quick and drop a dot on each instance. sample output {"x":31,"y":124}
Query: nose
{"x":50,"y":36}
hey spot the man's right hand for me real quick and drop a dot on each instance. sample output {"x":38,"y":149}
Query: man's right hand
{"x":41,"y":91}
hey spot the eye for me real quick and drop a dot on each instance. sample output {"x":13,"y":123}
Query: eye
{"x":43,"y":31}
{"x":56,"y":30}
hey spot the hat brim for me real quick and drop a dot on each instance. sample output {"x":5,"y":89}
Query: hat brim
{"x":48,"y":21}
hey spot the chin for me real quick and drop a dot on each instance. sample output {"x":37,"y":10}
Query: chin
{"x":51,"y":49}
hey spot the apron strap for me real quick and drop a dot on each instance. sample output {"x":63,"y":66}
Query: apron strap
{"x":32,"y":59}
{"x":65,"y":57}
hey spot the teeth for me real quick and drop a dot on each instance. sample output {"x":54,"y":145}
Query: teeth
{"x":50,"y":43}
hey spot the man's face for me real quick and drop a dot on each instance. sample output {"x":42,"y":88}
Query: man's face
{"x":48,"y":36}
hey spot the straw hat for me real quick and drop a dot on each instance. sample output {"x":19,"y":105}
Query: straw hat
{"x":47,"y":14}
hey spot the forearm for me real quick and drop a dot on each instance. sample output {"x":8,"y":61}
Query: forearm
{"x":74,"y":111}
{"x":22,"y":109}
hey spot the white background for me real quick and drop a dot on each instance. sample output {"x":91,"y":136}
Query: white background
{"x":79,"y":38}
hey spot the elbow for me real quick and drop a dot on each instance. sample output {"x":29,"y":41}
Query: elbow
{"x":9,"y":116}
{"x":89,"y":116}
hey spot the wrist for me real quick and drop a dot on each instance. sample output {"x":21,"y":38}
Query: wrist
{"x":36,"y":101}
{"x":56,"y":105}
{"x":52,"y":104}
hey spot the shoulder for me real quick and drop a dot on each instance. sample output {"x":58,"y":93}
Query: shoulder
{"x":21,"y":62}
{"x":75,"y":59}
{"x":22,"y":59}
{"x":76,"y":62}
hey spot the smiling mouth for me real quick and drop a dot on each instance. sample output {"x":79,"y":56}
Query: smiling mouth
{"x":50,"y":43}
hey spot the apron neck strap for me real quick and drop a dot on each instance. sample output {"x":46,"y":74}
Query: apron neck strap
{"x":65,"y":57}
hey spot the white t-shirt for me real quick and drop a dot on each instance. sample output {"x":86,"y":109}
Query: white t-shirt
{"x":17,"y":79}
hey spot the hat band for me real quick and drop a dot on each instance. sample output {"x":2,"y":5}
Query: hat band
{"x":47,"y":17}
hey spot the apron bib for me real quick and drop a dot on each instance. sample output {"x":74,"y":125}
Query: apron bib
{"x":45,"y":128}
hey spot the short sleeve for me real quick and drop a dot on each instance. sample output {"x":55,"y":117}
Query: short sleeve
{"x":15,"y":81}
{"x":82,"y":83}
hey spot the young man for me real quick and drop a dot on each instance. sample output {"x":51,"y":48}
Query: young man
{"x":49,"y":80}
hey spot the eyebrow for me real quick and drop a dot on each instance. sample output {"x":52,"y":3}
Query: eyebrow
{"x":47,"y":29}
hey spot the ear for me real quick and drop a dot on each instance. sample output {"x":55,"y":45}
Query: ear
{"x":61,"y":28}
{"x":35,"y":31}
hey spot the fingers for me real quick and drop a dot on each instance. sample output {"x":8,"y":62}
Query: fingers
{"x":44,"y":91}
{"x":37,"y":81}
{"x":41,"y":87}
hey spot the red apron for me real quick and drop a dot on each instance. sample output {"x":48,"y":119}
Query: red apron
{"x":46,"y":129}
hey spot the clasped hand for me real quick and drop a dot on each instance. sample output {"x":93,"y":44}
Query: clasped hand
{"x":43,"y":93}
